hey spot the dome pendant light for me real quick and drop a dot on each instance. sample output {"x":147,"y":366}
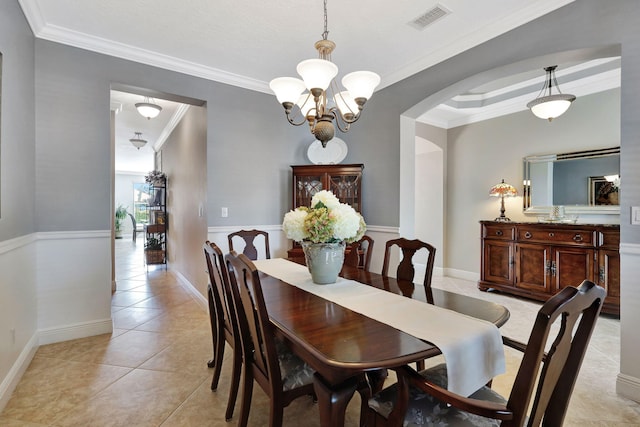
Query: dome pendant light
{"x":137,"y":141}
{"x":148,"y":109}
{"x":549,"y":106}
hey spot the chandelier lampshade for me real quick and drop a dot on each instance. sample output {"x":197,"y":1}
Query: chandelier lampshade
{"x":148,"y":108}
{"x":137,"y":140}
{"x":324,"y":106}
{"x":548,"y":105}
{"x":503,"y":190}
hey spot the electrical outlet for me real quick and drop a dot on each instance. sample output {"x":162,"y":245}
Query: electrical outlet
{"x":224,"y":212}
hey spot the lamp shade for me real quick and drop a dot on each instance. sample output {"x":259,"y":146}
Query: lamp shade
{"x":137,"y":141}
{"x":148,"y":110}
{"x":287,"y":89}
{"x":552,"y":106}
{"x":361,"y":84}
{"x":306,"y":104}
{"x":317,"y":73}
{"x":503,"y":190}
{"x":346,"y":104}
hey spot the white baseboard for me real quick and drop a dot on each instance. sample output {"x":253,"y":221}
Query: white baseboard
{"x":628,"y":386}
{"x":14,"y":375}
{"x":200,"y":299}
{"x":461,"y":274}
{"x":72,"y":332}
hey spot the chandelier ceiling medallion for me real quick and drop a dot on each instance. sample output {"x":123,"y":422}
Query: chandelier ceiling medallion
{"x":324,"y":102}
{"x":137,"y":141}
{"x":547,"y":105}
{"x":148,"y":108}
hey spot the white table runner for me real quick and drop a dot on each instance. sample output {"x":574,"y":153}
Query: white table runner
{"x":472,"y":348}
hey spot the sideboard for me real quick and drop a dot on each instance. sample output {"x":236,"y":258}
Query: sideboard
{"x":536,"y":260}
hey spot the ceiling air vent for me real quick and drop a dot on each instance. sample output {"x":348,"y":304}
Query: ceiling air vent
{"x":429,"y":17}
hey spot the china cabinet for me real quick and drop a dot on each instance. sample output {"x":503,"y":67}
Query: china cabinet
{"x":536,"y":260}
{"x":345,"y":181}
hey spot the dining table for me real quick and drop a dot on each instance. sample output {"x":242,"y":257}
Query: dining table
{"x":342,"y":344}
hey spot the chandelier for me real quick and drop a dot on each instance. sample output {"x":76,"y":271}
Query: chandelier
{"x":148,"y":109}
{"x":137,"y":141}
{"x":324,"y":102}
{"x":546,"y":105}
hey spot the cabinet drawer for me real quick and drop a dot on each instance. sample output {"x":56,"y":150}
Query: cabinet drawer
{"x":552,"y":235}
{"x":609,"y":239}
{"x":498,"y":231}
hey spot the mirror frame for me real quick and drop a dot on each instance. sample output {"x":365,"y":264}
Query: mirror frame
{"x":569,"y":209}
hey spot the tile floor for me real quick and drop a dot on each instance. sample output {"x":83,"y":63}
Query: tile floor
{"x":151,"y":371}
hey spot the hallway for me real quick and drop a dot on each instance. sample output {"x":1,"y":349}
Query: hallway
{"x":152,"y":370}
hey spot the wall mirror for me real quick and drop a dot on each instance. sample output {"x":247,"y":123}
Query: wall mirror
{"x":584,"y":182}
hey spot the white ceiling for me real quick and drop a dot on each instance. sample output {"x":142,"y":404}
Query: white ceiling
{"x":248,"y":43}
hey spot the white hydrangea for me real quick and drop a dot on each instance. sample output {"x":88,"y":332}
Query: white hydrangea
{"x":293,"y":224}
{"x":347,"y":221}
{"x":327,"y":198}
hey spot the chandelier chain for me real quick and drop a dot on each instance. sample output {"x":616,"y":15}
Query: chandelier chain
{"x":325,"y":34}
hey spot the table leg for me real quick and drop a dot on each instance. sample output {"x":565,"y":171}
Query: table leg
{"x":333,"y":400}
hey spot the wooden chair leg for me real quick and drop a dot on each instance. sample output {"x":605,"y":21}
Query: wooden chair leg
{"x":247,"y":390}
{"x":236,"y":371}
{"x":276,"y":412}
{"x":364,"y":390}
{"x":218,"y":358}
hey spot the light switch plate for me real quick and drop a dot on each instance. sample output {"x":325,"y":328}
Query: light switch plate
{"x":635,"y":215}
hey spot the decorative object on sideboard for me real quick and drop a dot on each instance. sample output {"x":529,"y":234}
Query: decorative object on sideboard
{"x":148,"y":108}
{"x":137,"y":140}
{"x":324,"y":102}
{"x":548,"y":105}
{"x":503,"y":190}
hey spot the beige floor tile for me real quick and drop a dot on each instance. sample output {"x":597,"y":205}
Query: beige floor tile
{"x":52,"y":387}
{"x":142,"y":398}
{"x":130,"y":317}
{"x":130,"y":349}
{"x":7,"y":422}
{"x":127,"y":298}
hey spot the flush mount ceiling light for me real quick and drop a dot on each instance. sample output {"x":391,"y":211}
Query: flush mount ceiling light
{"x":148,"y":109}
{"x":549,"y":106}
{"x":137,"y":141}
{"x":317,"y":107}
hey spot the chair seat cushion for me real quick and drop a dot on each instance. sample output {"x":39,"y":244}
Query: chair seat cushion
{"x":294,"y":371}
{"x":426,"y":410}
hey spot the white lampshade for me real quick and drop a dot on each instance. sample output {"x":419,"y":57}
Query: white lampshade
{"x":361,"y":84}
{"x":550,"y":107}
{"x":287,"y":89}
{"x":346,"y":104}
{"x":317,"y":73}
{"x":148,"y":110}
{"x":306,"y":104}
{"x":137,"y":140}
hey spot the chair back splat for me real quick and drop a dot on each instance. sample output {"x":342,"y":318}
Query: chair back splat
{"x":359,"y":253}
{"x":249,"y":237}
{"x":406,"y":271}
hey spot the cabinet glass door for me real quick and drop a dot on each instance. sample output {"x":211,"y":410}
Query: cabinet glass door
{"x":347,"y":189}
{"x":305,"y":188}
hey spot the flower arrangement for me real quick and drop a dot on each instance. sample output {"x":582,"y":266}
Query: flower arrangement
{"x":326,"y":221}
{"x":155,"y":177}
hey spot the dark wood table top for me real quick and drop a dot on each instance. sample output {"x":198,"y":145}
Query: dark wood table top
{"x":341,"y":345}
{"x":338,"y":342}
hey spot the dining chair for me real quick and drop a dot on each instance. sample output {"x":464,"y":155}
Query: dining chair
{"x":249,"y":237}
{"x":564,"y":325}
{"x":223,"y":324}
{"x":281,"y":374}
{"x":359,"y":253}
{"x":406,"y":270}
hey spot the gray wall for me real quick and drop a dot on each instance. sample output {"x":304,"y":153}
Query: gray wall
{"x":17,"y":136}
{"x":184,"y":157}
{"x":571,"y":178}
